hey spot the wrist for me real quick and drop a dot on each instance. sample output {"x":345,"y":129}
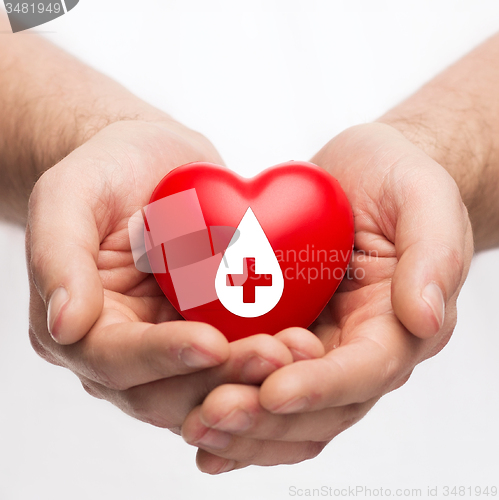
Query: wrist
{"x":53,"y":139}
{"x":455,"y":120}
{"x":460,"y":142}
{"x":44,"y":140}
{"x":459,"y":139}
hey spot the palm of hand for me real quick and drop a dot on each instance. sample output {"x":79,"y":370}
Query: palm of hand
{"x":120,"y":337}
{"x":126,"y":162}
{"x":411,"y":229}
{"x":375,"y":328}
{"x":103,"y":183}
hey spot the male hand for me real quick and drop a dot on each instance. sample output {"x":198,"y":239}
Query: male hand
{"x":396,"y":308}
{"x":93,"y":312}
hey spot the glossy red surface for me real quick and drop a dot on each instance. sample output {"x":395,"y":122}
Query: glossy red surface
{"x":307,"y":219}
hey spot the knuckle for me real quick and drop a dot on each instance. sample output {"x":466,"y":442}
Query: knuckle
{"x":451,"y":317}
{"x":402,"y":381}
{"x":42,"y":186}
{"x":36,"y":192}
{"x":390,"y":374}
{"x":392,"y":366}
{"x":349,"y":416}
{"x":39,"y":259}
{"x":140,"y":407}
{"x":251,"y":452}
{"x":456,"y":260}
{"x":91,"y":390}
{"x":333,"y":431}
{"x":306,"y":451}
{"x":313,"y":448}
{"x":97,"y":363}
{"x":353,"y":413}
{"x":456,"y":257}
{"x":40,"y":349}
{"x":161,"y":361}
{"x":281,"y":429}
{"x":36,"y":344}
{"x":97,"y":372}
{"x":108,"y":380}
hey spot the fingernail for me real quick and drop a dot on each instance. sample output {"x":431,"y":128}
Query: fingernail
{"x":194,"y":358}
{"x":433,"y":296}
{"x":57,"y":301}
{"x":256,"y":368}
{"x":298,"y":355}
{"x":236,"y":421}
{"x":216,"y":440}
{"x":293,"y":406}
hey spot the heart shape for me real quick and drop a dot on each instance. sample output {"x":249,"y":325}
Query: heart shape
{"x":253,"y":255}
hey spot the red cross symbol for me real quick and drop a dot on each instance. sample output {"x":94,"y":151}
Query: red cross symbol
{"x":249,"y":280}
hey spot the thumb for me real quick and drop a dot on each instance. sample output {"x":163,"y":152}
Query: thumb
{"x":434,"y":247}
{"x":62,"y":245}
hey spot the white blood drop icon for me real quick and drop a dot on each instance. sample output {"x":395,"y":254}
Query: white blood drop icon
{"x":249,"y":281}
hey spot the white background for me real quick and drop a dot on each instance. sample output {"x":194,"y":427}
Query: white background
{"x":267,"y":82}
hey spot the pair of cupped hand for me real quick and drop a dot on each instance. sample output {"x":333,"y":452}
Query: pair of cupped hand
{"x":263,"y":400}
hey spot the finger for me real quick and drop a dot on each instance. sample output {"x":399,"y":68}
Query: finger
{"x":241,"y":449}
{"x":211,"y":464}
{"x":236,"y":409}
{"x":302,"y":343}
{"x":433,"y":246}
{"x":124,"y":355}
{"x":254,"y":452}
{"x":146,"y":308}
{"x":39,"y":337}
{"x":367,"y":269}
{"x":62,"y":248}
{"x":369,"y":365}
{"x":416,"y":206}
{"x":166,"y":402}
{"x":270,"y":454}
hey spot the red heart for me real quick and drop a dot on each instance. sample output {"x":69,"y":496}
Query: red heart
{"x":305,"y":216}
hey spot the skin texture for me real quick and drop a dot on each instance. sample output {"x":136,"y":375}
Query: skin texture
{"x":408,"y":210}
{"x":114,"y":328}
{"x":377,"y":327}
{"x":455,"y":119}
{"x":47,"y":117}
{"x":94,"y":152}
